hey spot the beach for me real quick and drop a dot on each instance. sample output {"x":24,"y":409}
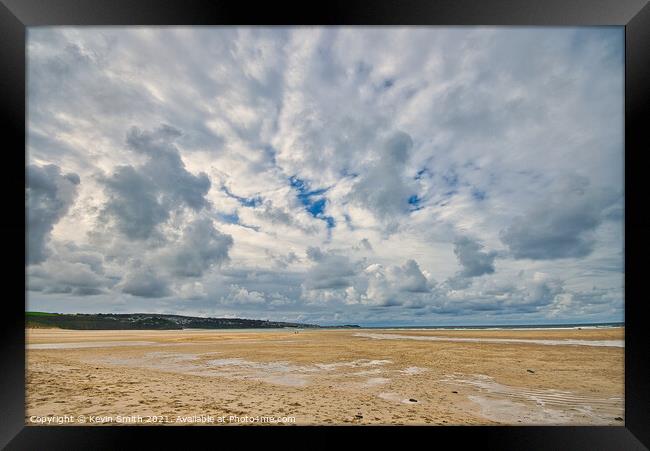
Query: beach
{"x":572,"y":376}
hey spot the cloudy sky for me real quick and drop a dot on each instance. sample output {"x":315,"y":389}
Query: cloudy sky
{"x":416,"y":175}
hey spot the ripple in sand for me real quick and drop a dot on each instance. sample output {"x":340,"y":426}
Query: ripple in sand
{"x":274,"y":372}
{"x":512,"y":405}
{"x":413,"y":370}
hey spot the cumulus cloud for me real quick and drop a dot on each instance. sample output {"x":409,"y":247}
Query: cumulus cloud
{"x":141,"y":198}
{"x":283,"y":216}
{"x":240,"y":295}
{"x":409,"y":278}
{"x":395,"y":285}
{"x":133,"y":203}
{"x":325,"y":174}
{"x":330,"y":271}
{"x":472,"y":258}
{"x":167,"y":168}
{"x":77,"y":279}
{"x":365,"y":245}
{"x":49,"y":194}
{"x":525,"y":293}
{"x":588,"y":302}
{"x":72,"y":269}
{"x":384,"y":189}
{"x":562,"y":225}
{"x":143,"y":282}
{"x":541,"y":289}
{"x":200,"y":248}
{"x":283,"y":261}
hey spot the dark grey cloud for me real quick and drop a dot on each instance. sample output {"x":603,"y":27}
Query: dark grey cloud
{"x":411,"y":278}
{"x":525,"y":293}
{"x":315,"y":254}
{"x":542,"y":292}
{"x":474,"y":260}
{"x":133,"y":202}
{"x":330,"y":271}
{"x":283,"y":261}
{"x":458,"y":282}
{"x":597,"y":296}
{"x":285,"y":283}
{"x":49,"y":194}
{"x":87,"y":255}
{"x":167,"y":169}
{"x":200,"y":248}
{"x":562,"y":225}
{"x":364,"y":244}
{"x":75,"y":273}
{"x":143,"y":282}
{"x":384,"y":189}
{"x":142,"y":198}
{"x":593,"y":301}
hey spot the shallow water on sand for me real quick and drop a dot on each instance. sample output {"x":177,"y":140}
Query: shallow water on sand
{"x":88,"y":344}
{"x":565,"y":342}
{"x":510,"y":404}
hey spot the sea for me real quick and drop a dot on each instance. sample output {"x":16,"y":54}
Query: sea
{"x":508,"y":326}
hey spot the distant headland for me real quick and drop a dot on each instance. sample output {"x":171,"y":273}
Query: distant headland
{"x":149,"y":321}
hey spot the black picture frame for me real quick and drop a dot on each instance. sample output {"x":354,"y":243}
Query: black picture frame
{"x":634,"y":15}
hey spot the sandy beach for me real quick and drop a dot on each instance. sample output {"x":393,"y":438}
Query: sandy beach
{"x":321,"y":377}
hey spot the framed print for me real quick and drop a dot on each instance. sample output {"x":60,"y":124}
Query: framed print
{"x":383,"y":216}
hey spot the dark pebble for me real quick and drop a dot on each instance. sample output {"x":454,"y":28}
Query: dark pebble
{"x":454,"y":391}
{"x":618,"y":419}
{"x":413,"y":400}
{"x":531,"y":371}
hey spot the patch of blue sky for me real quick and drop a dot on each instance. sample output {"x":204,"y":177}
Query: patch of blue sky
{"x":415,"y":203}
{"x":245,"y":201}
{"x":313,"y":200}
{"x":229,"y":218}
{"x":233,"y":218}
{"x":478,"y":194}
{"x":318,"y":207}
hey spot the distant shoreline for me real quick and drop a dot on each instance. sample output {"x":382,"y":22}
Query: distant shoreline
{"x":360,"y":328}
{"x":505,"y":327}
{"x":158,"y":321}
{"x":147,"y":321}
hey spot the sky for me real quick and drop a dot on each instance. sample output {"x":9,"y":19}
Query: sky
{"x":354,"y":175}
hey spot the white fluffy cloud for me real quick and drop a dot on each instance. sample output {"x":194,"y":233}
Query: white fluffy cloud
{"x":370,"y":175}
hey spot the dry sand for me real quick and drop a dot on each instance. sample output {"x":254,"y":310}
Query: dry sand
{"x":325,"y":377}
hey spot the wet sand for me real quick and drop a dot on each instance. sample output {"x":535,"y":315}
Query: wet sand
{"x":352,"y":376}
